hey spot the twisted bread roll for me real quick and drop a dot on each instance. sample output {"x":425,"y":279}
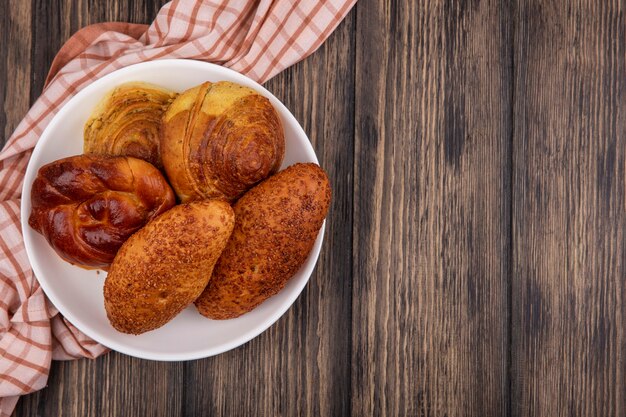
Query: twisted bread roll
{"x":218,"y":140}
{"x":127,"y":122}
{"x":87,"y":206}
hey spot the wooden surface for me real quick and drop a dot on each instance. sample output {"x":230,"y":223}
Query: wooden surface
{"x":569,"y":217}
{"x":475,"y":256}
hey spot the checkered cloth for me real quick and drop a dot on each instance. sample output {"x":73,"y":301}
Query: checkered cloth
{"x":257,"y":38}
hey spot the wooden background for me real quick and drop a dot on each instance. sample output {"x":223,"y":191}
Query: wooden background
{"x":475,"y":257}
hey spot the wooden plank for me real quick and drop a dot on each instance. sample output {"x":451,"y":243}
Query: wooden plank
{"x":15,"y":54}
{"x":431,"y":230}
{"x":301,"y":365}
{"x":569,"y":214}
{"x":50,"y":26}
{"x":115,"y":384}
{"x":56,"y":20}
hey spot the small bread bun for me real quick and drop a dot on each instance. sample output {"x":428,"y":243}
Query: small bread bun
{"x":276,"y":225}
{"x":165,"y":266}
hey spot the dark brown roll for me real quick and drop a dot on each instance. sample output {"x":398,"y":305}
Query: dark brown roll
{"x":276,"y":225}
{"x":163,"y":267}
{"x":87,"y":206}
{"x":127,"y":122}
{"x":220,"y":139}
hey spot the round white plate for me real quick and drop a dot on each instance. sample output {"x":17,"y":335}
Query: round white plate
{"x":77,"y":293}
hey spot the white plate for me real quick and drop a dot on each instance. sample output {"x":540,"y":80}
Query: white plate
{"x":77,"y":293}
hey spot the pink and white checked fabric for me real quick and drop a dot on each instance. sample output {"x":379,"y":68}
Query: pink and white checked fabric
{"x":257,"y":38}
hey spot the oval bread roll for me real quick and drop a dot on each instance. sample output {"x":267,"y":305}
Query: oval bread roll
{"x":276,"y":224}
{"x":165,"y":266}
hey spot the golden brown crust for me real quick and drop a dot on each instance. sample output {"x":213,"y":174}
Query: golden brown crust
{"x":220,"y":139}
{"x":276,"y":224}
{"x":87,"y":206}
{"x":127,"y":122}
{"x":163,"y":267}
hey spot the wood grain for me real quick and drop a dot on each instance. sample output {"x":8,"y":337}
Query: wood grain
{"x":15,"y":54}
{"x":113,"y":385}
{"x":430,"y":264}
{"x":54,"y":21}
{"x":569,"y":216}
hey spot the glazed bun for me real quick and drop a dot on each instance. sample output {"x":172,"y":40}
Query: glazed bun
{"x":86,"y":206}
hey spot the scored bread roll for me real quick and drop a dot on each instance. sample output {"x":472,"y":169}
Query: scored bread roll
{"x":127,"y":122}
{"x":220,"y":139}
{"x":276,"y":225}
{"x":163,"y":267}
{"x":86,"y":206}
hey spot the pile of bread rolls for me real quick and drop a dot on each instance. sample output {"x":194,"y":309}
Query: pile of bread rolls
{"x":179,"y":198}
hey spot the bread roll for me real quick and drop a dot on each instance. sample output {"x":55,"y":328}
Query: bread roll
{"x":220,"y":139}
{"x":87,"y":206}
{"x":127,"y":122}
{"x":276,"y":225}
{"x":163,"y":267}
